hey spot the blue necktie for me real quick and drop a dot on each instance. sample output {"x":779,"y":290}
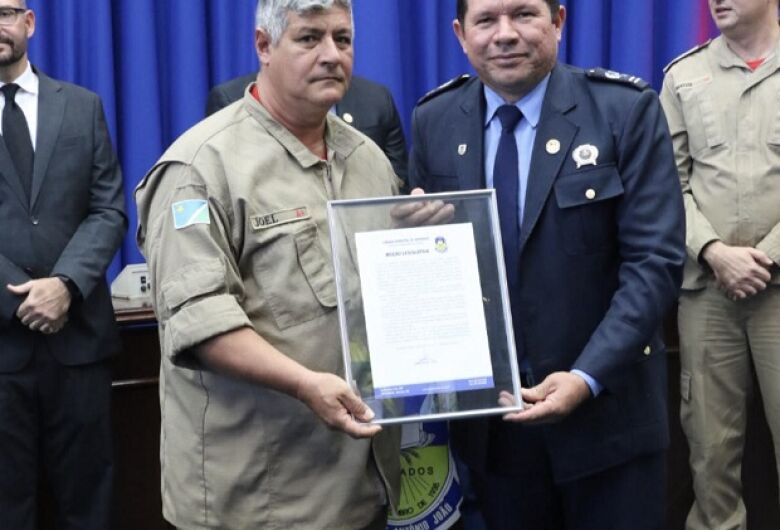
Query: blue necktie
{"x":506,"y":180}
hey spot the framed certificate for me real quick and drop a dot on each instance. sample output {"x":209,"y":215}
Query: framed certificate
{"x":425,"y":322}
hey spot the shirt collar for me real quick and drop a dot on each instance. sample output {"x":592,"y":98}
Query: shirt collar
{"x":340,"y":138}
{"x":28,"y":81}
{"x":728,"y":59}
{"x":530,"y":104}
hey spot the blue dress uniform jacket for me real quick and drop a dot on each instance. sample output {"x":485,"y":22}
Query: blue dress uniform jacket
{"x":601,"y":257}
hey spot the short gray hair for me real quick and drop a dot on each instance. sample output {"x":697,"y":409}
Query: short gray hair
{"x":271,"y":15}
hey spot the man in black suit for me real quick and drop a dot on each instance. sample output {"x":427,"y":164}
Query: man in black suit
{"x":593,"y":229}
{"x":367,"y":106}
{"x":62,"y":219}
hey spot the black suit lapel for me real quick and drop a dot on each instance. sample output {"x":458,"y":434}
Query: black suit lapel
{"x":467,"y":139}
{"x":553,"y":125}
{"x":51,"y":109}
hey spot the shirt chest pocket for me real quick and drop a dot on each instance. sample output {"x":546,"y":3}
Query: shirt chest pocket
{"x":586,"y":203}
{"x":294,"y":273}
{"x":703,"y":119}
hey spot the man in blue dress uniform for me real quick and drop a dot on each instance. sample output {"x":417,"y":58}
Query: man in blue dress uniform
{"x":593,"y":230}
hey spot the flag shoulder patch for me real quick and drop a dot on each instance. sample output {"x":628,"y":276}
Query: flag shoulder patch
{"x":190,"y":212}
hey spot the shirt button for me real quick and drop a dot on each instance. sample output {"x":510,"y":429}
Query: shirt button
{"x":34,"y":220}
{"x":590,"y":194}
{"x":648,"y":350}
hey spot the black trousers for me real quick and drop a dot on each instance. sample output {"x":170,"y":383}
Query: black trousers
{"x":630,"y":496}
{"x":55,"y":422}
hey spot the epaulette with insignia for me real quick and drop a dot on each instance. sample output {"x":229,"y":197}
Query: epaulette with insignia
{"x":610,"y":75}
{"x":449,"y":85}
{"x":686,"y":54}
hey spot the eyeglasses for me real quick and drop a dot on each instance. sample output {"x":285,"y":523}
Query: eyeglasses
{"x":9,"y":15}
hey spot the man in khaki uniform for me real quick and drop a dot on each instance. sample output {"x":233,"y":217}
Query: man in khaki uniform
{"x":721,"y":101}
{"x":257,"y":426}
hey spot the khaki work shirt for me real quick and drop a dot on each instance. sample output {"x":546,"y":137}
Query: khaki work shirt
{"x":725,"y":125}
{"x":237,"y":455}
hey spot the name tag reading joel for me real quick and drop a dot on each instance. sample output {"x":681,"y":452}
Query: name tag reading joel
{"x":425,"y":321}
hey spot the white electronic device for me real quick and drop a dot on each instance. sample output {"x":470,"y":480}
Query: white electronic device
{"x":132,"y":283}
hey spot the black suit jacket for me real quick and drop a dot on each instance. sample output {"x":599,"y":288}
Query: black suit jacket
{"x":370,"y":106}
{"x":601,"y":256}
{"x":72,"y":226}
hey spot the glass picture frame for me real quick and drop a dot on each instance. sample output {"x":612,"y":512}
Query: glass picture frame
{"x":423,"y":305}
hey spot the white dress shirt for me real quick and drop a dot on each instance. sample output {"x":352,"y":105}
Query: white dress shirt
{"x":27,"y":99}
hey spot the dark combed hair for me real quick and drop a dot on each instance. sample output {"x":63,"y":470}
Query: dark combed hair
{"x":554,"y":5}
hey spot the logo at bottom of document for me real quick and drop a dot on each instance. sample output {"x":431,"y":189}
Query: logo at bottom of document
{"x":430,"y":490}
